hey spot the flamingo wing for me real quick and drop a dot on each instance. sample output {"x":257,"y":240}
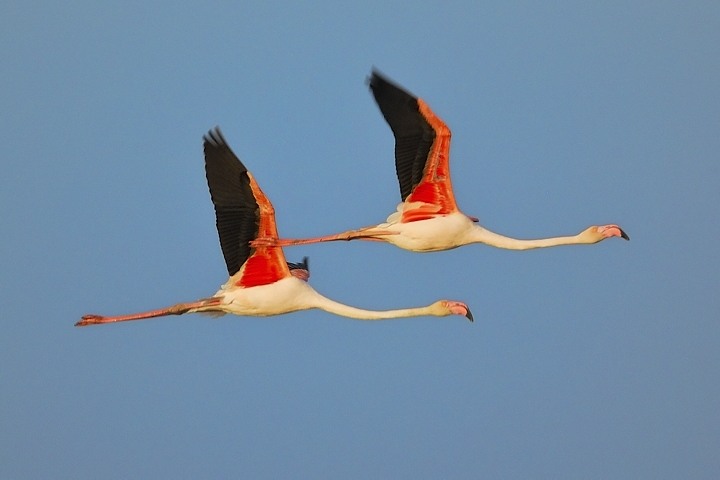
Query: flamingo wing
{"x":422,"y":150}
{"x":243,"y":213}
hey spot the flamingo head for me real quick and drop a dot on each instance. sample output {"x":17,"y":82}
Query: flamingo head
{"x":597,"y":233}
{"x":452,"y":307}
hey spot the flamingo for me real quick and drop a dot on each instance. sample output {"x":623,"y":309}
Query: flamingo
{"x":428,"y":219}
{"x":261,"y":282}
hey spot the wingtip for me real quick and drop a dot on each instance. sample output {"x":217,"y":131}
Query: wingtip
{"x":378,"y":78}
{"x":214,"y":136}
{"x":369,"y":77}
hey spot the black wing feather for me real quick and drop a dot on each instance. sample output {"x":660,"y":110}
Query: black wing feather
{"x":413,"y":134}
{"x":236,"y":210}
{"x":299,"y":265}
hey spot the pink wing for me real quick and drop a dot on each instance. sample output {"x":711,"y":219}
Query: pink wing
{"x":243,"y":213}
{"x":422,"y":151}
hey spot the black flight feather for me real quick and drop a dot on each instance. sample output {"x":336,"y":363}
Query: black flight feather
{"x":413,"y":134}
{"x":236,"y":210}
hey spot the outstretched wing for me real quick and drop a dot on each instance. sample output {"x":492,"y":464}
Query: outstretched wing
{"x":422,"y":149}
{"x":243,"y":213}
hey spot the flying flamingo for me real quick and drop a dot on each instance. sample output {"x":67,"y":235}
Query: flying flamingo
{"x":428,"y":219}
{"x":261,"y":282}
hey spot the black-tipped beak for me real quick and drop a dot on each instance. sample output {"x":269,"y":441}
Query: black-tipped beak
{"x":624,"y":235}
{"x":469,"y":315}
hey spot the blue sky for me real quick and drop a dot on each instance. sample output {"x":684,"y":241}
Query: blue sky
{"x":583,"y":362}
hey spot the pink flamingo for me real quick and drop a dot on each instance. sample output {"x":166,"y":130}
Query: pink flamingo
{"x":261,"y":282}
{"x":428,"y":219}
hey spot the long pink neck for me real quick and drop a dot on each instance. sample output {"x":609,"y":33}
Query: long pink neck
{"x":343,"y":310}
{"x":482,"y":235}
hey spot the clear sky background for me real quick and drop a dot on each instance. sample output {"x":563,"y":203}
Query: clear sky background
{"x":583,"y":362}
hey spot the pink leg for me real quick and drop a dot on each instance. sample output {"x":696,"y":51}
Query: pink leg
{"x":179,"y":309}
{"x":369,"y":233}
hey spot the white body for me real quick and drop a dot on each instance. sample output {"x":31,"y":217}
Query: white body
{"x":434,"y":234}
{"x":287,"y":295}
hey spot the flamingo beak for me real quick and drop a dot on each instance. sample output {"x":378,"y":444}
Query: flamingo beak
{"x":469,"y":315}
{"x":607,"y":231}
